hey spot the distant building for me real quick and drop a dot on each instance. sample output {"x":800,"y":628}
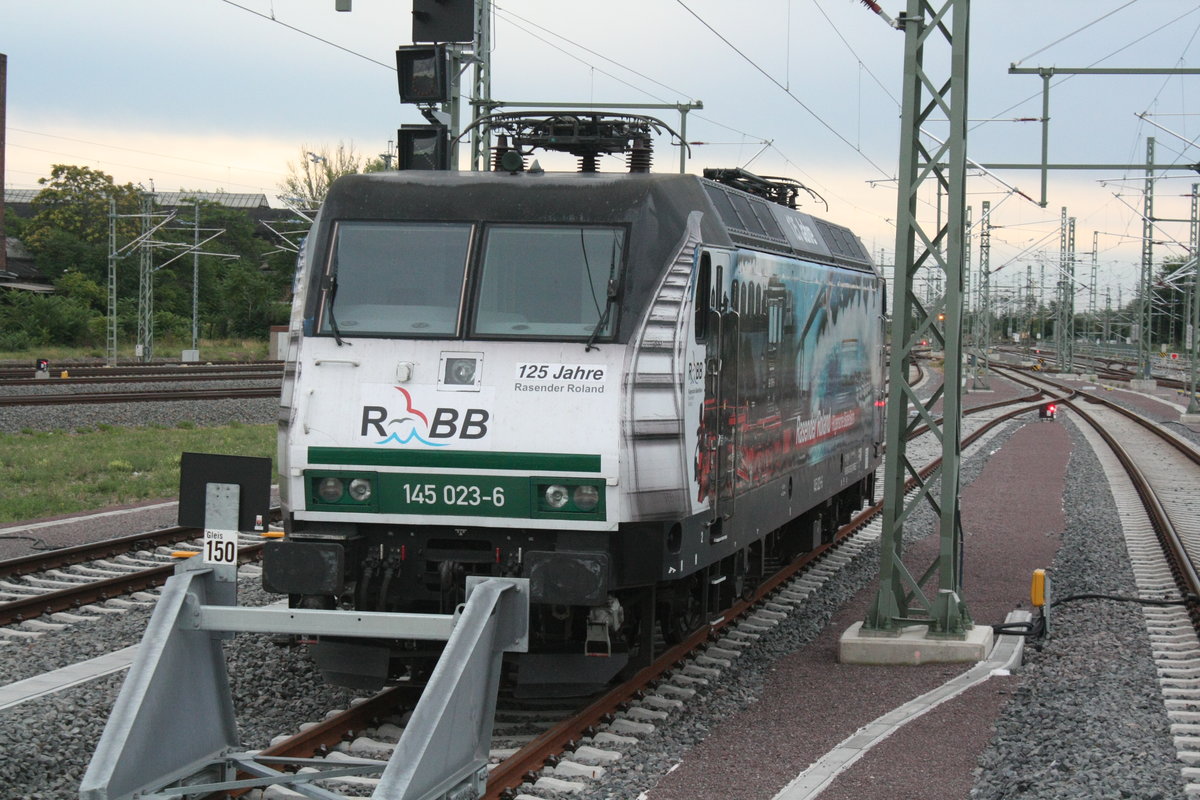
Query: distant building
{"x":20,"y":201}
{"x":19,"y":271}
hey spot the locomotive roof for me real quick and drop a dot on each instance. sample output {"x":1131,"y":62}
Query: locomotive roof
{"x":662,"y":201}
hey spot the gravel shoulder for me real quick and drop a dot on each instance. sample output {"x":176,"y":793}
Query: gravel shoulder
{"x":1082,"y":718}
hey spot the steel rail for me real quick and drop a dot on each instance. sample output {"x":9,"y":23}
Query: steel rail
{"x":1184,"y":570}
{"x":513,"y":771}
{"x":13,"y":611}
{"x":179,"y":377}
{"x":29,"y":373}
{"x":1182,"y":567}
{"x":104,"y":548}
{"x":139,"y":397}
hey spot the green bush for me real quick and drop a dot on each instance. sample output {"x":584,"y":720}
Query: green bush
{"x":15,"y":341}
{"x":44,"y":319}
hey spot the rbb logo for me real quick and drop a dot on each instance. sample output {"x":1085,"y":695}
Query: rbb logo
{"x":445,"y":424}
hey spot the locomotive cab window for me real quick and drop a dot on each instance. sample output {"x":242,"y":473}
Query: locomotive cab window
{"x":549,"y":281}
{"x":390,"y":279}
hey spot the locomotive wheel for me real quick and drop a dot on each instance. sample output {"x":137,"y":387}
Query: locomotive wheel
{"x":681,"y":616}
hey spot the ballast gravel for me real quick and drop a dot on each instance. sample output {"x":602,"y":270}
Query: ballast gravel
{"x":1085,"y":720}
{"x":1088,"y":718}
{"x":169,"y":413}
{"x":48,"y":742}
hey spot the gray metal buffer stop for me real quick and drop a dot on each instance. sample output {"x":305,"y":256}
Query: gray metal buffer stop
{"x":172,"y":732}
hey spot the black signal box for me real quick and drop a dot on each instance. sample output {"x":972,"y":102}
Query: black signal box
{"x":423,"y":73}
{"x":252,"y":476}
{"x":443,"y":21}
{"x":422,"y":147}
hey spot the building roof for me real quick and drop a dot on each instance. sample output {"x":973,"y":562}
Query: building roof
{"x":15,"y":250}
{"x":167,"y":199}
{"x":12,"y":196}
{"x":20,"y":273}
{"x":227,"y":199}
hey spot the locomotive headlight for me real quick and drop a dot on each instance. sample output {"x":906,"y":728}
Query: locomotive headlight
{"x":330,"y":489}
{"x":586,"y":497}
{"x":565,"y":498}
{"x":360,"y":489}
{"x":460,"y":371}
{"x":556,"y":495}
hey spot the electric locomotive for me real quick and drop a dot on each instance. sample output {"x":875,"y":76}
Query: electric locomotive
{"x":639,"y":391}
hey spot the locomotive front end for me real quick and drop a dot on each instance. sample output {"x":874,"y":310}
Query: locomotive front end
{"x":454,"y":411}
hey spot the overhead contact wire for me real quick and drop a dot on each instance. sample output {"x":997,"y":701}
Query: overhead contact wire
{"x":783,"y":88}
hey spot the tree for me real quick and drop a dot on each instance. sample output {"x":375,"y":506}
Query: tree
{"x":75,"y":200}
{"x":222,"y":280}
{"x":69,"y":228}
{"x":309,"y":178}
{"x":69,"y":238}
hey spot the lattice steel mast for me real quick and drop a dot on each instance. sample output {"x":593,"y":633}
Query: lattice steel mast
{"x":1146,"y":306}
{"x":983,"y":338}
{"x":1064,"y":317}
{"x":926,"y":163}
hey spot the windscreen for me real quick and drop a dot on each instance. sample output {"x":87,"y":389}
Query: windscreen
{"x":396,"y":278}
{"x":548,"y":281}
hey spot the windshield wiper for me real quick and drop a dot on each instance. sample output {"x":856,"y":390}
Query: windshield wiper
{"x":331,"y":286}
{"x":612,"y":290}
{"x":612,"y":295}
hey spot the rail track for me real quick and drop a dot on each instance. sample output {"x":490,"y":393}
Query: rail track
{"x":1109,"y":369}
{"x":69,"y":383}
{"x":198,"y":393}
{"x":1153,"y":474}
{"x":72,"y":578}
{"x":76,"y":371}
{"x":105,"y":385}
{"x":574,"y":741}
{"x":576,"y":744}
{"x":629,"y":710}
{"x":701,"y":657}
{"x":1162,"y":466}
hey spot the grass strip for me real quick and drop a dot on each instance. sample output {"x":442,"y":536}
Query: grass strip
{"x":47,"y":473}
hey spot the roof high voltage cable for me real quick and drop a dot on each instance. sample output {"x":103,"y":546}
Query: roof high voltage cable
{"x":590,"y":51}
{"x":1099,"y":60}
{"x":757,"y":139}
{"x":588,"y":65}
{"x":782,"y":88}
{"x":133,"y":150}
{"x":1062,"y":39}
{"x":105,"y":162}
{"x":857,"y":57}
{"x":271,"y":18}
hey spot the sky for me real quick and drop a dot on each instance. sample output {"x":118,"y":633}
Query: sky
{"x":226,"y":94}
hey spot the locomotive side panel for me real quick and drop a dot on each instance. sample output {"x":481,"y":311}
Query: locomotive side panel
{"x":792,"y":396}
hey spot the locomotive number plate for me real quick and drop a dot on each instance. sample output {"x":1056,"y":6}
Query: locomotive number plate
{"x":458,"y":495}
{"x":453,"y":494}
